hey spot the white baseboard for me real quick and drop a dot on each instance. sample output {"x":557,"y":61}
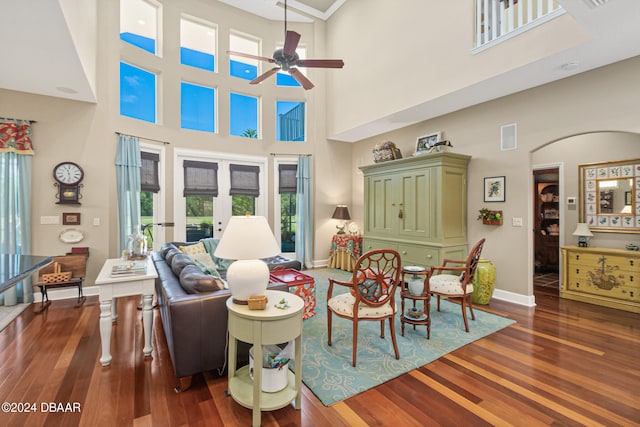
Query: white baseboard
{"x":526,"y":300}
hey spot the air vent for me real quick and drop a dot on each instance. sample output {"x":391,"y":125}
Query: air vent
{"x":596,"y":3}
{"x":508,"y":137}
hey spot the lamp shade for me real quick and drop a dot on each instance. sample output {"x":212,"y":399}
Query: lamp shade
{"x":582,"y":229}
{"x":247,"y":237}
{"x":341,"y":212}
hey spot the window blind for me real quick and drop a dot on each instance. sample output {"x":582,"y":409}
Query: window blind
{"x":244,"y":180}
{"x":200,"y":178}
{"x":287,"y":182}
{"x":149,"y":172}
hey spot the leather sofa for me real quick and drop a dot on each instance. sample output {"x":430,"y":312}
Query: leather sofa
{"x":195,"y":324}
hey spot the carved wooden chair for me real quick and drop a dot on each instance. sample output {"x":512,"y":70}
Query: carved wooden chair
{"x":458,"y":283}
{"x":371,"y":294}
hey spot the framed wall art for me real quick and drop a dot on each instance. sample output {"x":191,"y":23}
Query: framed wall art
{"x":71,"y":218}
{"x":494,"y":189}
{"x":427,"y":142}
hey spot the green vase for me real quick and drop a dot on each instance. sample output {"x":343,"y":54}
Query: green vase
{"x":483,"y":282}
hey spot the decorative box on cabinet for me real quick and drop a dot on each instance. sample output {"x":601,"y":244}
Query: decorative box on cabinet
{"x":608,"y":277}
{"x":417,"y":206}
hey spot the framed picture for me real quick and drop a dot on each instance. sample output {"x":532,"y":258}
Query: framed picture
{"x":494,"y":189}
{"x":426,"y":143}
{"x":71,"y":218}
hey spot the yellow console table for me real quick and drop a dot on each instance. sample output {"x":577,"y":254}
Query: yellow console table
{"x":603,"y":276}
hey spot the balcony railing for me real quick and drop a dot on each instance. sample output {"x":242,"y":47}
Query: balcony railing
{"x":498,"y":20}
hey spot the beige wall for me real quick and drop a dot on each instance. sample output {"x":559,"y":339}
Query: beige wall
{"x":603,"y":99}
{"x":399,"y":55}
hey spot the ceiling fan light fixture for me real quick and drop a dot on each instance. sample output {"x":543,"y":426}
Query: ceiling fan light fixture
{"x":287,"y":59}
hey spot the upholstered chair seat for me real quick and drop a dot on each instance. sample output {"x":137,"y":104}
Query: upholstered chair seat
{"x":447,"y":284}
{"x":458,"y":285}
{"x":343,"y":305}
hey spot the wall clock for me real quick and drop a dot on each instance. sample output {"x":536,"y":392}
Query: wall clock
{"x":68,"y":176}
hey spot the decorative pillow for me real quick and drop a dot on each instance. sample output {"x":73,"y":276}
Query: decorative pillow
{"x":197,"y":248}
{"x":193,"y":280}
{"x":179,"y":261}
{"x":211,"y":243}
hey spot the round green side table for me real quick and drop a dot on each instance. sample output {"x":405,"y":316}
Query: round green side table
{"x":483,"y":282}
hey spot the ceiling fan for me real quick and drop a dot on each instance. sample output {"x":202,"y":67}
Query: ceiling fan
{"x":287,"y":59}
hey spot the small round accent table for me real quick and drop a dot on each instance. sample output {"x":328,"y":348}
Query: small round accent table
{"x":415,"y":287}
{"x":263,"y":327}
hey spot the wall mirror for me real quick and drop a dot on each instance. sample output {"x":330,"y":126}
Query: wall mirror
{"x":611,"y":196}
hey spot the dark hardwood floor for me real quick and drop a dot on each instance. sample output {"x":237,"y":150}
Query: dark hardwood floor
{"x":563,"y":363}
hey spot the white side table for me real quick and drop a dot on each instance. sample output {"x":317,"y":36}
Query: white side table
{"x":111,"y":288}
{"x":263,"y":327}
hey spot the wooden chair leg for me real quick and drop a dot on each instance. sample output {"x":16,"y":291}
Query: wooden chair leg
{"x":438,"y":302}
{"x":464,"y":314}
{"x":355,"y":342}
{"x":382,"y":328}
{"x":392,"y":326}
{"x":329,"y":327}
{"x":473,"y":317}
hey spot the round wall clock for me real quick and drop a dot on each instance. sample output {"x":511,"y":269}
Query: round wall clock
{"x":68,"y":176}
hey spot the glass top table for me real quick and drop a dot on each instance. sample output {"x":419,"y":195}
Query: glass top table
{"x":14,"y":268}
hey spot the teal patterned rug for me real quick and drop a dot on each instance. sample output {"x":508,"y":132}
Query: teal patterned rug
{"x":327,"y":371}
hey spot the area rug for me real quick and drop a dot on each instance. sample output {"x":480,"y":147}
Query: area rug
{"x":328,"y":372}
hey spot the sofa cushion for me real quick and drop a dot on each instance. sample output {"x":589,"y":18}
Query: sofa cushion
{"x":197,"y":248}
{"x":168,"y":257}
{"x":194,"y":281}
{"x":207,"y":266}
{"x":179,"y":261}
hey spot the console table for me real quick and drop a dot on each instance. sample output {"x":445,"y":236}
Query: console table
{"x":111,"y":287}
{"x":345,"y":250}
{"x":603,"y":276}
{"x":263,"y":327}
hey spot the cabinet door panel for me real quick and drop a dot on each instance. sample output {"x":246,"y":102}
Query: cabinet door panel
{"x":453,"y":199}
{"x":415,"y":204}
{"x":382,"y":217}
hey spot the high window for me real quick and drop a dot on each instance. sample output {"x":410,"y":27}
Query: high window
{"x":239,"y":66}
{"x":197,"y":107}
{"x":137,"y":93}
{"x":243,"y":115}
{"x":197,"y":44}
{"x":290,"y":121}
{"x":139,"y":23}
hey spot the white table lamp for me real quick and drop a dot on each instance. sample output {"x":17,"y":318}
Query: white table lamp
{"x":246,"y":239}
{"x":583,"y":232}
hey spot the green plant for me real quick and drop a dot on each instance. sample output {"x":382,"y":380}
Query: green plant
{"x":489,"y":215}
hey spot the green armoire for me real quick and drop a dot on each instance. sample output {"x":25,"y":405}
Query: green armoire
{"x":417,"y":206}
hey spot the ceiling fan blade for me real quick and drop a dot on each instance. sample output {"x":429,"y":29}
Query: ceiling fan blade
{"x":264,"y":76}
{"x":320,"y":63}
{"x":291,"y":43}
{"x":301,"y":78}
{"x":247,"y":55}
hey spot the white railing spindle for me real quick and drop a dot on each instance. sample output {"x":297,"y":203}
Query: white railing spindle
{"x":498,"y":19}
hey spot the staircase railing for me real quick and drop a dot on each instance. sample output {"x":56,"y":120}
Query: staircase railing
{"x":497,"y":20}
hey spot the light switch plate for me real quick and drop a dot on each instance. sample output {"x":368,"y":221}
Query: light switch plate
{"x":516,"y":222}
{"x":571,"y":200}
